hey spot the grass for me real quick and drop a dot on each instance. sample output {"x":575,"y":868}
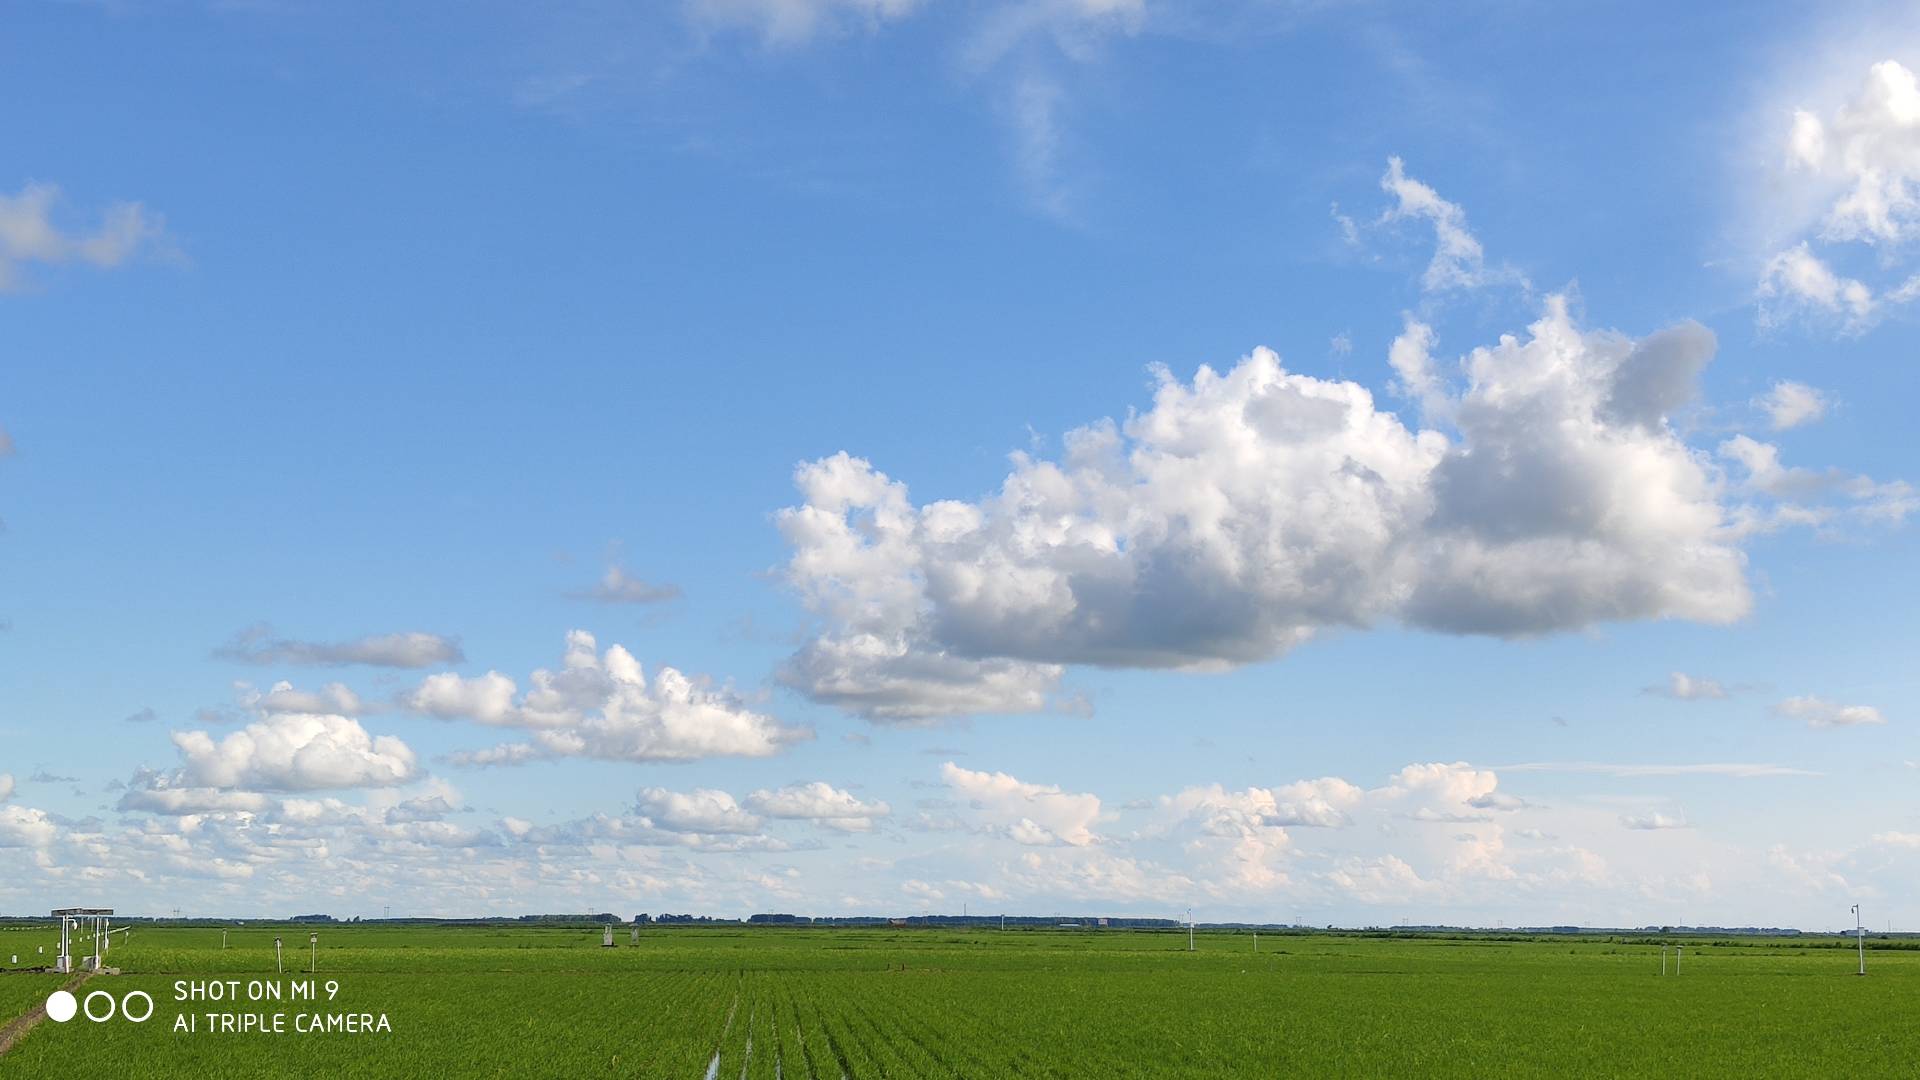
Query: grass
{"x":873,"y":1003}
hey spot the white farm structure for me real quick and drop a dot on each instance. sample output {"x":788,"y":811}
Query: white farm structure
{"x":97,"y":920}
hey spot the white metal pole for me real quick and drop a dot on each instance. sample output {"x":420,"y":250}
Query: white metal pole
{"x":1860,"y":938}
{"x":277,"y":965}
{"x":313,"y":940}
{"x":1678,"y":951}
{"x":1663,"y":959}
{"x":1189,"y":929}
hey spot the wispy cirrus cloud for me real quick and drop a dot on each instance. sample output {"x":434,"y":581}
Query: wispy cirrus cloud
{"x":617,"y":586}
{"x":1737,"y":769}
{"x":416,"y":649}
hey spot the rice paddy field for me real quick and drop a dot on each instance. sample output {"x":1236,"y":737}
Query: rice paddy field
{"x":792,"y":1004}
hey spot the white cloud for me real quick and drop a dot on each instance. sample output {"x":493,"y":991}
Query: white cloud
{"x":1385,"y":879}
{"x":1812,"y":497}
{"x":159,"y":797}
{"x":1035,"y":814}
{"x":889,"y":678}
{"x":1860,"y":160}
{"x":1479,"y":853}
{"x":1411,"y":357}
{"x":29,"y":235}
{"x":1792,"y":404}
{"x":1321,"y":803}
{"x":1248,"y":511}
{"x":257,"y":645}
{"x":1442,"y":791}
{"x":1796,"y":281}
{"x":819,"y":802}
{"x":617,"y":586}
{"x":6,"y":786}
{"x":790,"y":22}
{"x":1653,"y":820}
{"x":1821,"y":713}
{"x":1740,"y":769}
{"x":335,"y":698}
{"x":487,"y":698}
{"x":604,"y":706}
{"x":1871,"y":148}
{"x":1458,"y":261}
{"x":1683,"y":687}
{"x":22,"y":826}
{"x":702,"y":810}
{"x":295,"y":752}
{"x":1023,"y":55}
{"x":421,"y":808}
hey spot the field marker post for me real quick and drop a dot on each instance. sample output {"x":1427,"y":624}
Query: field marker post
{"x":1860,"y":938}
{"x":1663,"y":960}
{"x":277,"y":966}
{"x":1678,"y":951}
{"x":1189,"y":929}
{"x":313,"y":965}
{"x":223,"y":939}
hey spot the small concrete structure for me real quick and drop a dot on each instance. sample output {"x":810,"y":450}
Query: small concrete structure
{"x":99,"y":920}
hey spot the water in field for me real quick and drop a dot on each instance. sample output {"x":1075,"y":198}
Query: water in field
{"x":784,"y":1004}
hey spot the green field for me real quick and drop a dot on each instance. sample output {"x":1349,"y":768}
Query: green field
{"x":797,"y":1003}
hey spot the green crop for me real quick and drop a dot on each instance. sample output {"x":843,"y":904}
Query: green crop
{"x":793,"y":1004}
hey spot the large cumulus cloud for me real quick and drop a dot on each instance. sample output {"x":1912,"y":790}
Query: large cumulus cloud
{"x":1247,"y":511}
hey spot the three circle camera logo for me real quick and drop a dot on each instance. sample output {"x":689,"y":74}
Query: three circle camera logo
{"x":100,"y":1006}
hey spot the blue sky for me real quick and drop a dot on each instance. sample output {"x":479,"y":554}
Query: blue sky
{"x":331,"y":325}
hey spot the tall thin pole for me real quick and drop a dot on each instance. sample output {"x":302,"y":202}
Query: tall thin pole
{"x":1860,"y":938}
{"x":1189,"y":929}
